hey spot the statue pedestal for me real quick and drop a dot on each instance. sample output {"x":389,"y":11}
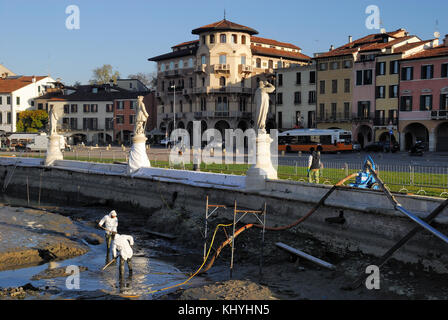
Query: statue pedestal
{"x":263,"y":169}
{"x":53,"y":150}
{"x":137,"y":156}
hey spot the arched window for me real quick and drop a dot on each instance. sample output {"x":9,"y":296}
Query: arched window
{"x":181,"y":64}
{"x":243,"y":39}
{"x":190,"y":63}
{"x":202,"y":59}
{"x":234,"y":38}
{"x":212,"y":38}
{"x":223,"y":38}
{"x":162,"y":67}
{"x":171,"y":65}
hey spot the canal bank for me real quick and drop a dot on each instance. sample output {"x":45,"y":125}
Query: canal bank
{"x":171,"y":203}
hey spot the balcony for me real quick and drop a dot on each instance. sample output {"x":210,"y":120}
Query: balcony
{"x":439,"y":115}
{"x":221,"y":68}
{"x":362,"y":117}
{"x":187,"y":91}
{"x":200,"y":68}
{"x":244,"y":68}
{"x":385,"y":121}
{"x":335,"y":117}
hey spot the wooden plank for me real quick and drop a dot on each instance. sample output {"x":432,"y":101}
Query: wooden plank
{"x":305,"y":255}
{"x":162,"y":235}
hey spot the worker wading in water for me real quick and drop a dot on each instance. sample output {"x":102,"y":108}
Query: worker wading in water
{"x":111,"y":224}
{"x":123,"y":244}
{"x":314,"y":166}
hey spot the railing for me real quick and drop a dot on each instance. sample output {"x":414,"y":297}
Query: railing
{"x":200,"y":68}
{"x":439,"y":115}
{"x":360,"y":117}
{"x":339,"y":116}
{"x":221,"y":67}
{"x":385,"y":121}
{"x":245,"y":68}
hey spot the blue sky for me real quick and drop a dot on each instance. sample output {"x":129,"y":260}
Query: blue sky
{"x":34,"y":39}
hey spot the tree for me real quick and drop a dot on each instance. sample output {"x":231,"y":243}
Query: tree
{"x":148,"y":79}
{"x":32,"y":121}
{"x":104,"y":74}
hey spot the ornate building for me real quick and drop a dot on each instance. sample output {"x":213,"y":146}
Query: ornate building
{"x":213,"y":78}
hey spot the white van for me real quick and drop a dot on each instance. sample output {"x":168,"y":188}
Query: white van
{"x":40,"y":143}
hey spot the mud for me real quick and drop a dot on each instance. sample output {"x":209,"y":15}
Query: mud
{"x":31,"y":237}
{"x":55,"y":273}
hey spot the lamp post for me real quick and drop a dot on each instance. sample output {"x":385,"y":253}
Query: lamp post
{"x":174,"y":106}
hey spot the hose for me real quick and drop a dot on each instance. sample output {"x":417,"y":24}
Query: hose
{"x":300,"y":220}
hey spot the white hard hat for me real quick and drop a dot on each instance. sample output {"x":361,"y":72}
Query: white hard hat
{"x":113,"y":213}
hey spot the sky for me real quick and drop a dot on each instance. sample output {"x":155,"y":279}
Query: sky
{"x":34,"y":39}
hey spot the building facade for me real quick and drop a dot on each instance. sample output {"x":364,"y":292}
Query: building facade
{"x":296,"y":97}
{"x":213,"y":79}
{"x":17,"y":94}
{"x":424,"y":98}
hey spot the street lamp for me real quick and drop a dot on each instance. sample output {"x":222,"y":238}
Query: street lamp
{"x":174,"y":106}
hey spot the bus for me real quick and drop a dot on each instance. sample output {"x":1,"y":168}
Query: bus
{"x":309,"y":140}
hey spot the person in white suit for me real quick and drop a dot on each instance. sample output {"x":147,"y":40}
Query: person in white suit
{"x":123,"y":244}
{"x":110,"y":222}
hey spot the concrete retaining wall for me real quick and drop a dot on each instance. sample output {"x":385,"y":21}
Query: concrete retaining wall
{"x":372,"y":226}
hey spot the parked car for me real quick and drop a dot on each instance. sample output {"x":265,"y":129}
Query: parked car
{"x":382,"y":146}
{"x":167,"y":143}
{"x":356,"y":146}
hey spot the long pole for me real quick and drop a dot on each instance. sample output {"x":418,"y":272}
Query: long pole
{"x":174,"y":107}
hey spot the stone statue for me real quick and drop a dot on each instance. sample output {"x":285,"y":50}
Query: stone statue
{"x":262,"y":103}
{"x":141,"y":118}
{"x":53,"y":120}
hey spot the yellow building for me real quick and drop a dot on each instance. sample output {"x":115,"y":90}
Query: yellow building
{"x":213,"y":78}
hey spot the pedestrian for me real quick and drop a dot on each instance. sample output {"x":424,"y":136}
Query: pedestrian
{"x":314,"y":166}
{"x":123,"y":244}
{"x":111,"y":224}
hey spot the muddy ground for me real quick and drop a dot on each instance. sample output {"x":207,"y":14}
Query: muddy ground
{"x":283,"y":276}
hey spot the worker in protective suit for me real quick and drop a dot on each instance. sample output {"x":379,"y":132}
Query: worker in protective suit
{"x":123,"y":244}
{"x":111,"y":224}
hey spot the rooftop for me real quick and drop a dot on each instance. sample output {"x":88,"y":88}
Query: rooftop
{"x":224,"y":25}
{"x":11,"y":84}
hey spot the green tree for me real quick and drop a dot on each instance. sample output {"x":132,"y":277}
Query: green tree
{"x":104,"y":75}
{"x":32,"y":121}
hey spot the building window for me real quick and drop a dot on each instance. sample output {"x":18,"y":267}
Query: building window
{"x":334,"y":65}
{"x":221,"y":104}
{"x":393,"y":67}
{"x":181,"y":64}
{"x":131,"y":119}
{"x":280,"y":119}
{"x":364,"y":109}
{"x":380,"y":92}
{"x":18,"y":101}
{"x":334,"y":86}
{"x":280,"y":79}
{"x":162,"y":67}
{"x":212,"y":38}
{"x":203,"y":59}
{"x":312,"y":76}
{"x":120,"y":105}
{"x":444,"y":70}
{"x":321,"y":111}
{"x":426,"y":102}
{"x":8,"y":100}
{"x":347,"y":64}
{"x":393,"y":91}
{"x":381,"y":68}
{"x":74,"y":108}
{"x":86,"y":108}
{"x":443,"y":102}
{"x":1,"y":100}
{"x":243,"y":103}
{"x":234,"y":38}
{"x":427,"y":72}
{"x":407,"y":73}
{"x":311,"y":97}
{"x":120,"y":119}
{"x":367,"y":77}
{"x":109,"y":107}
{"x":8,"y":118}
{"x":73,"y":123}
{"x":322,"y":86}
{"x":243,"y":39}
{"x":258,"y":63}
{"x":190,"y":63}
{"x":346,"y":85}
{"x":222,"y":81}
{"x":270,"y":64}
{"x":363,"y":77}
{"x":203,"y":104}
{"x":222,"y":59}
{"x":323,"y":66}
{"x":223,"y":38}
{"x":243,"y":60}
{"x":333,"y":110}
{"x":65,"y":123}
{"x":298,"y":77}
{"x":93,"y":108}
{"x":171,"y":65}
{"x":297,"y":97}
{"x":346,"y":110}
{"x":203,"y":81}
{"x":406,"y":103}
{"x":279,"y":98}
{"x":66,"y":108}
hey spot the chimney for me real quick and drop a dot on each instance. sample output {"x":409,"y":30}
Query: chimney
{"x":34,"y":79}
{"x":350,"y":39}
{"x":445,"y":40}
{"x":331,"y":47}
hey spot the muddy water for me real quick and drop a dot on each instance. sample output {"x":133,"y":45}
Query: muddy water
{"x":157,"y":264}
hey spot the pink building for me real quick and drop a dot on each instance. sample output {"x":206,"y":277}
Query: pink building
{"x":424,"y":98}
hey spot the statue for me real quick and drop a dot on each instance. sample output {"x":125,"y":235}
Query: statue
{"x":53,"y":120}
{"x":141,"y":118}
{"x":262,"y":103}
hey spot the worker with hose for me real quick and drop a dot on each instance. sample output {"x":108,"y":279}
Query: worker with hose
{"x":111,"y":224}
{"x":314,"y":166}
